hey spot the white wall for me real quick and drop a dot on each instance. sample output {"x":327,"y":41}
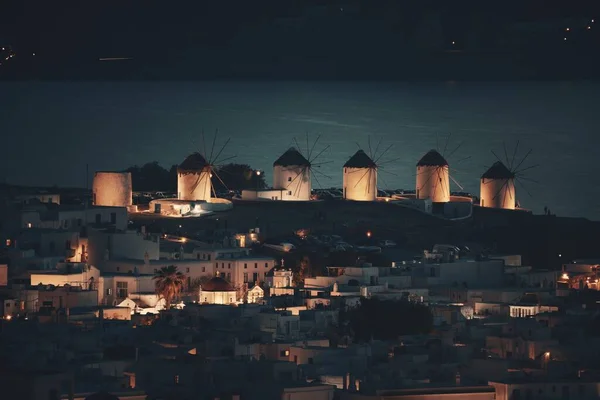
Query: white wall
{"x":194,"y":185}
{"x":294,"y":180}
{"x":497,"y":193}
{"x":217,"y":297}
{"x":113,"y":189}
{"x":433,"y":182}
{"x":360,"y":184}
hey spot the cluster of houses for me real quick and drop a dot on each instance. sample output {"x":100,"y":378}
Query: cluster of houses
{"x":81,"y":316}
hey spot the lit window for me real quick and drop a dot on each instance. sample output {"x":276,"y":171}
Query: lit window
{"x":287,"y":353}
{"x":8,"y":242}
{"x":29,"y":224}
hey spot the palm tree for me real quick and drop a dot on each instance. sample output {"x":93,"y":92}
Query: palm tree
{"x":169,"y":282}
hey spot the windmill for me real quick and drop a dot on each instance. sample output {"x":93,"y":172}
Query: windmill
{"x":195,"y":173}
{"x":497,"y":189}
{"x":361,"y":173}
{"x":293,"y":171}
{"x":433,"y":175}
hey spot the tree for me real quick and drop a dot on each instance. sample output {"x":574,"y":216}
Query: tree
{"x":388,"y":319}
{"x":169,"y":282}
{"x":302,"y":271}
{"x":152,"y":176}
{"x":238,"y":177}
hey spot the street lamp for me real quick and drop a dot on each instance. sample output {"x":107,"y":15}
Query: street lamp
{"x":257,"y":178}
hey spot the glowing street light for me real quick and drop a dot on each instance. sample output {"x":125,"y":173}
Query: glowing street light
{"x":368,"y":234}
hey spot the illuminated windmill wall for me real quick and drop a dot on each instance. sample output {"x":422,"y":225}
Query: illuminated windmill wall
{"x":360,"y":178}
{"x":194,"y":178}
{"x":497,"y":189}
{"x":112,"y":189}
{"x":291,"y":172}
{"x":433,"y":178}
{"x":195,"y":173}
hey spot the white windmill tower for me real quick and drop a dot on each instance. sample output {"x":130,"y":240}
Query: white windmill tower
{"x":433,"y":178}
{"x":433,"y":174}
{"x":497,"y":189}
{"x":360,"y":178}
{"x":195,"y":173}
{"x":293,"y":172}
{"x":361,"y":173}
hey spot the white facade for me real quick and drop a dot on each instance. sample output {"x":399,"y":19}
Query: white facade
{"x":433,"y":182}
{"x":251,"y":269}
{"x":122,"y":245}
{"x":255,"y":294}
{"x":113,"y":189}
{"x":294,"y":180}
{"x":218,"y":297}
{"x":360,"y":184}
{"x":498,"y":193}
{"x":524,"y":311}
{"x":194,"y":185}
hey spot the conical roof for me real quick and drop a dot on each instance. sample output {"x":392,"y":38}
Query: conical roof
{"x":292,"y":157}
{"x":432,"y":159}
{"x":194,"y":161}
{"x":217,"y":284}
{"x":360,"y":159}
{"x":498,"y":171}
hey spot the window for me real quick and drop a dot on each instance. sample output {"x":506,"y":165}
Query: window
{"x":229,"y":265}
{"x":223,"y":265}
{"x":245,"y":265}
{"x":197,"y":256}
{"x":254,"y":277}
{"x":208,"y":257}
{"x":121,"y":290}
{"x":187,"y":270}
{"x":266,"y":265}
{"x":289,"y":192}
{"x":289,"y":178}
{"x":203,"y":269}
{"x":113,"y":218}
{"x":108,"y":291}
{"x":98,"y":219}
{"x":284,"y":353}
{"x":255,"y":265}
{"x":245,"y":277}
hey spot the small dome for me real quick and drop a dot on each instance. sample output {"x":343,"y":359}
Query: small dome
{"x":193,"y":162}
{"x":360,"y":159}
{"x":102,"y":396}
{"x":217,"y":284}
{"x":498,"y":171}
{"x":291,"y":157}
{"x":432,"y":159}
